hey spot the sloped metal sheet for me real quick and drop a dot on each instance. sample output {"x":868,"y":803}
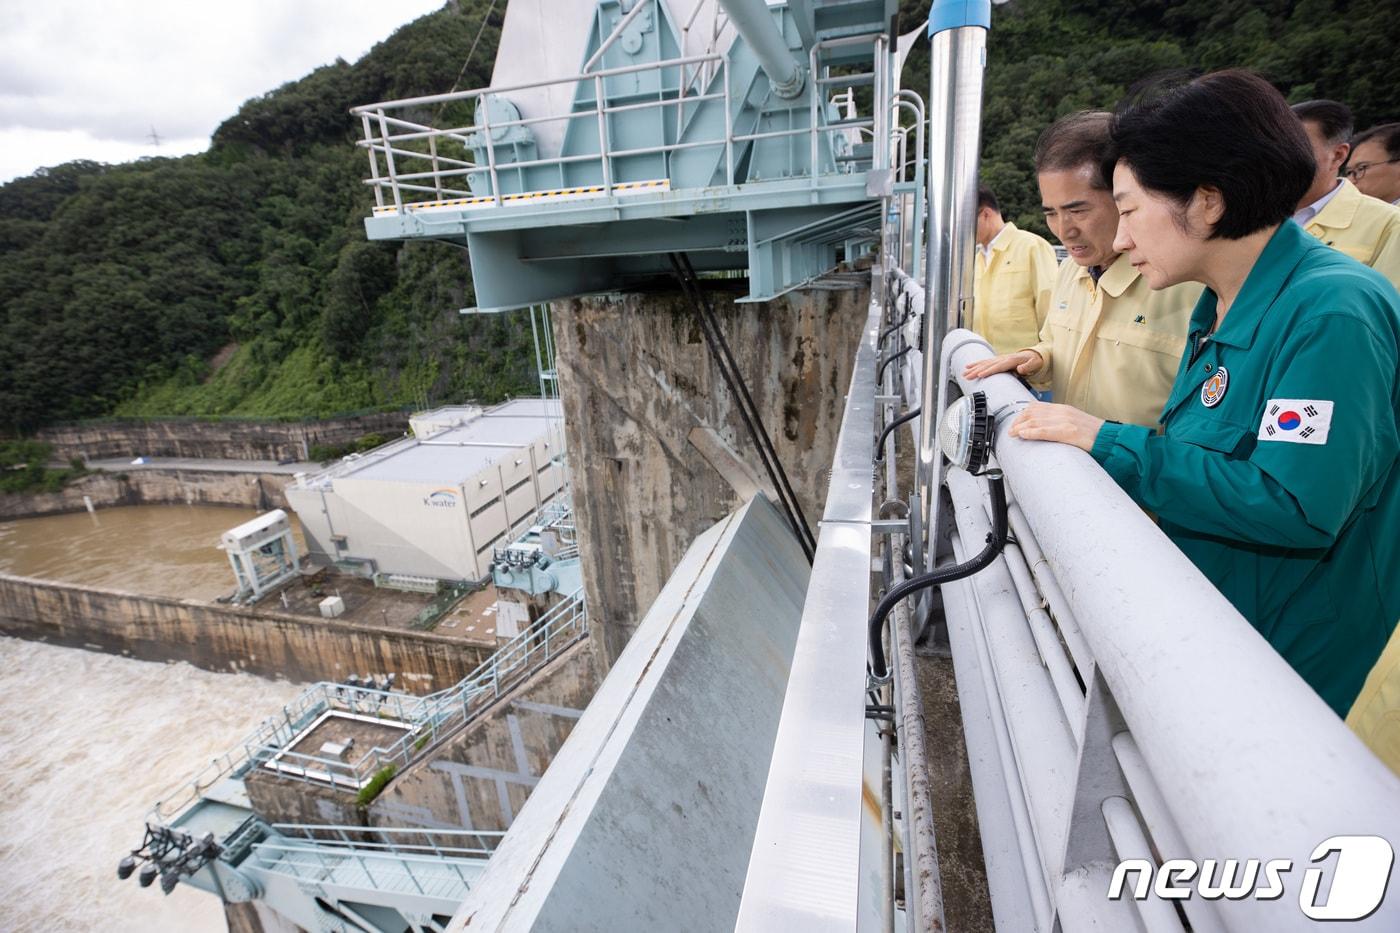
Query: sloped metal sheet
{"x":647,"y":814}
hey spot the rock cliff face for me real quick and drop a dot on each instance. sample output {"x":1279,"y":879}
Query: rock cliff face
{"x":637,"y":377}
{"x":153,"y":487}
{"x":234,"y":440}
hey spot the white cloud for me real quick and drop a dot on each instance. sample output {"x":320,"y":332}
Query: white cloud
{"x":86,"y":79}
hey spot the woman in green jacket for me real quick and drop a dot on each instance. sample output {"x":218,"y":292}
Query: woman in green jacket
{"x":1277,"y":471}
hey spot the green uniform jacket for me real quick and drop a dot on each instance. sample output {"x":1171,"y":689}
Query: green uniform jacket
{"x":1278,"y":471}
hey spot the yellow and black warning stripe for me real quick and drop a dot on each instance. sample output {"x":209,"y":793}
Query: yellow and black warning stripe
{"x":662,"y":184}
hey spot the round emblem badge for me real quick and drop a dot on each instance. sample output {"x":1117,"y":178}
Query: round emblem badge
{"x":1213,"y":389}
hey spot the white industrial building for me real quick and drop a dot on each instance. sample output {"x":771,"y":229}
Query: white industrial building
{"x":434,"y":505}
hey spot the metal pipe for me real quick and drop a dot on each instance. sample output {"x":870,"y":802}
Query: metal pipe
{"x":927,"y":894}
{"x":1172,"y":651}
{"x":754,"y":22}
{"x":958,"y":36}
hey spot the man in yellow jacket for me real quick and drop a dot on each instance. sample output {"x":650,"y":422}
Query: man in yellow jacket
{"x":1333,"y":210}
{"x":1375,"y":162}
{"x":1014,"y":271}
{"x":1110,"y":345}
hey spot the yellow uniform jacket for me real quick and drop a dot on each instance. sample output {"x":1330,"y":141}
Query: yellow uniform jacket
{"x":1011,"y":292}
{"x":1366,"y":229}
{"x":1112,"y":348}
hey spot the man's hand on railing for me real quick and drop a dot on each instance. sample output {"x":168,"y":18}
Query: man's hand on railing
{"x":1043,"y":421}
{"x":1025,"y":362}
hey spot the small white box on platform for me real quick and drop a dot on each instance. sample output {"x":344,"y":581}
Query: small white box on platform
{"x":332,"y":607}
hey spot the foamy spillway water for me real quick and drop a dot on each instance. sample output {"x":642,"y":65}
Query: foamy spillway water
{"x":88,"y":742}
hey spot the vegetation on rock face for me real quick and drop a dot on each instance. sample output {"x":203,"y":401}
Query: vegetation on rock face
{"x":24,"y":468}
{"x":376,"y":784}
{"x":120,"y":285}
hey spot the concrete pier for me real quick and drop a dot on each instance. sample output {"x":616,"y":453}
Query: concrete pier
{"x":637,"y":381}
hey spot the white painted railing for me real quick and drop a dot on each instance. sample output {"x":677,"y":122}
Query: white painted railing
{"x":426,"y":717}
{"x":415,"y":165}
{"x":1117,"y":706}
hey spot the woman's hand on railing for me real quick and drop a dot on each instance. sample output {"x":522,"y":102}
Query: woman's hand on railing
{"x":1025,"y":362}
{"x":1043,"y":421}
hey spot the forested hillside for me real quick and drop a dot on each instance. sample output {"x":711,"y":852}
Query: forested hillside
{"x":239,"y":281}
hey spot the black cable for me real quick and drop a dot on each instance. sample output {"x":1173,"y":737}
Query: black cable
{"x":902,"y":321}
{"x":909,"y":415}
{"x":709,"y":328}
{"x":996,"y":540}
{"x":763,"y":437}
{"x":880,"y":375}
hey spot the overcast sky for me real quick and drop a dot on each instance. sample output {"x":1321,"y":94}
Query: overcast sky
{"x":87,"y":79}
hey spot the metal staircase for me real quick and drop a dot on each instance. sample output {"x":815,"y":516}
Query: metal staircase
{"x":205,"y":832}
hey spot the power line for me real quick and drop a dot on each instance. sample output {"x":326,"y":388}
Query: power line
{"x":470,"y":52}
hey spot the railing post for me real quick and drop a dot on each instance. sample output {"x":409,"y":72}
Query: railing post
{"x":602,"y":135}
{"x":373,"y":162}
{"x":437,"y":176}
{"x":484,"y":103}
{"x":389,"y":160}
{"x":958,"y":35}
{"x":818,"y":104}
{"x":728,"y":126}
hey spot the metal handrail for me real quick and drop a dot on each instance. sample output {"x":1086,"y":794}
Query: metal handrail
{"x":440,"y":841}
{"x":380,"y":142}
{"x":1118,"y":691}
{"x":427,"y":716}
{"x":433,"y":715}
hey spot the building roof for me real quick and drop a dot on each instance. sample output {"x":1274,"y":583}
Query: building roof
{"x":455,"y":455}
{"x":528,"y":407}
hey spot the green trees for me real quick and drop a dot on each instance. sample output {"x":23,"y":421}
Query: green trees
{"x":119,"y":284}
{"x":1048,"y":58}
{"x":239,"y":281}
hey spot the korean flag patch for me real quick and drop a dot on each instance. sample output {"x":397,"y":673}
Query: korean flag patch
{"x":1297,"y":420}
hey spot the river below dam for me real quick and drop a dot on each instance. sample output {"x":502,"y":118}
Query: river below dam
{"x":154,"y":550}
{"x":90,"y":741}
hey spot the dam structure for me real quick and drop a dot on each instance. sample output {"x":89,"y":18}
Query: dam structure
{"x":756,"y":252}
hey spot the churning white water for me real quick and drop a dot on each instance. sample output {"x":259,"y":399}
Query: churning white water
{"x":88,"y":742}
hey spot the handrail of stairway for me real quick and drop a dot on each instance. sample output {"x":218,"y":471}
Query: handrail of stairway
{"x":565,"y":623}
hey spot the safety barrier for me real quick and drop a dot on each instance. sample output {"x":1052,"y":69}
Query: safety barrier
{"x":414,"y":166}
{"x":425,"y":718}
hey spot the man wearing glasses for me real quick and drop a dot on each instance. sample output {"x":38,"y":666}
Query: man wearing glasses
{"x":1375,"y":162}
{"x":1333,"y":209}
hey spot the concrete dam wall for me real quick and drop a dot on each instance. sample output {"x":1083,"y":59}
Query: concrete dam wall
{"x":149,"y":486}
{"x":225,"y":638}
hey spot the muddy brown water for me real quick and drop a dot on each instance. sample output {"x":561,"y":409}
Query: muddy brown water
{"x":154,"y":550}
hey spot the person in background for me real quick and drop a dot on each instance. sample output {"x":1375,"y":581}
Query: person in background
{"x":1278,"y":470}
{"x":1333,"y":210}
{"x":1110,"y":345}
{"x":1014,"y":271}
{"x":1375,"y":162}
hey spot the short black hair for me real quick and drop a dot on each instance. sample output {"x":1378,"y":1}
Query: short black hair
{"x":1074,"y":141}
{"x":1230,"y":130}
{"x":1333,"y":118}
{"x":1387,"y":133}
{"x":985,"y":198}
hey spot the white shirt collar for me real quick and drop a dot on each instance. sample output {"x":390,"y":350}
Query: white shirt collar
{"x":1306,"y":215}
{"x":986,"y":251}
